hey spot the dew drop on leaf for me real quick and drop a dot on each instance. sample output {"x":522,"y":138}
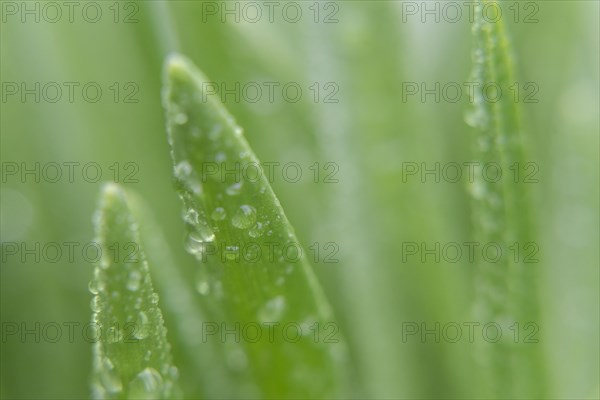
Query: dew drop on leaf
{"x":244,"y":217}
{"x":96,"y":304}
{"x":203,"y":281}
{"x":218,"y":214}
{"x":104,"y":263}
{"x":215,"y":132}
{"x":220,"y":157}
{"x":181,"y":119}
{"x":203,"y":287}
{"x":478,"y":189}
{"x":191,"y":216}
{"x":256,"y":231}
{"x":142,"y":326}
{"x":134,"y":280}
{"x":109,"y":378}
{"x":198,"y":238}
{"x":272,"y":310}
{"x":234,"y":189}
{"x":148,"y":384}
{"x":183,"y":169}
{"x":95,"y":286}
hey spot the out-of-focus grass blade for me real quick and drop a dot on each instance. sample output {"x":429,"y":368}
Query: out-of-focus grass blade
{"x":506,"y":290}
{"x":132,"y":358}
{"x":252,"y":273}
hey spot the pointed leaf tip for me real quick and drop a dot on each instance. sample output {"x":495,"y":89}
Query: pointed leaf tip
{"x":132,"y":357}
{"x":226,"y":213}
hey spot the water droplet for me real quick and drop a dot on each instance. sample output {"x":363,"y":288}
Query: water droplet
{"x":476,"y":117}
{"x":244,"y":217}
{"x":109,"y":378}
{"x":154,"y":298}
{"x":220,"y":157}
{"x":202,"y":281}
{"x":181,"y":119}
{"x":215,"y":132}
{"x":195,"y":186}
{"x":191,"y":216}
{"x":234,"y":189}
{"x":134,"y":280}
{"x":218,"y":214}
{"x":204,"y":233}
{"x":478,"y":189}
{"x":238,"y":131}
{"x":479,"y":55}
{"x":98,"y":392}
{"x":96,"y":286}
{"x":256,"y":231}
{"x":272,"y":310}
{"x":142,"y":326}
{"x":104,"y":263}
{"x":198,"y":238}
{"x":252,"y":252}
{"x":183,"y":169}
{"x":96,"y":304}
{"x":203,"y":287}
{"x":148,"y":384}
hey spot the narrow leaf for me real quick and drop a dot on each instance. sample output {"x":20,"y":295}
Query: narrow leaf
{"x":251,"y":269}
{"x":507,"y":289}
{"x":132,"y":358}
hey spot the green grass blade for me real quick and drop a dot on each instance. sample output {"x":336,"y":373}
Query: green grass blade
{"x":238,"y":232}
{"x":132,"y":359}
{"x":506,"y":290}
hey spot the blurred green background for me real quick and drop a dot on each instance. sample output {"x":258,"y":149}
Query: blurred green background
{"x":368,"y":53}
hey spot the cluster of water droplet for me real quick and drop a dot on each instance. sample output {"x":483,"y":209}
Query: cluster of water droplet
{"x":149,"y":383}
